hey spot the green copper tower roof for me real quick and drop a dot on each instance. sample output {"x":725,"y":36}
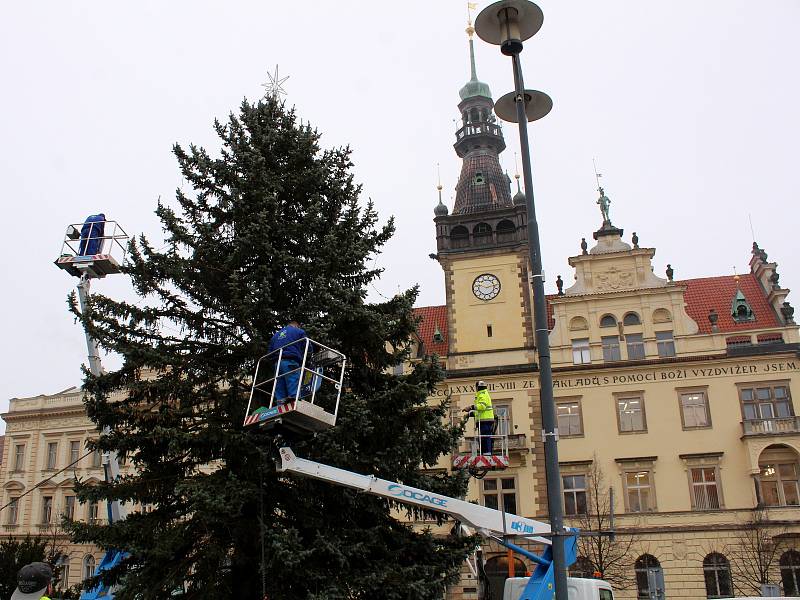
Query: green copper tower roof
{"x":473,"y":87}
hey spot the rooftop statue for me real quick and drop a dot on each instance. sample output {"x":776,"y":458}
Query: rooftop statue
{"x":604,"y":203}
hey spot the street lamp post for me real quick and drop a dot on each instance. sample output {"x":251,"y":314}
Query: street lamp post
{"x":509,"y":23}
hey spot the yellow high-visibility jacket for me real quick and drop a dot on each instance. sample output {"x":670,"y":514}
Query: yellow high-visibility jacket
{"x":483,"y":406}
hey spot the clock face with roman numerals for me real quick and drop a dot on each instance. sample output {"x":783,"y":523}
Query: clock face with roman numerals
{"x":486,"y":286}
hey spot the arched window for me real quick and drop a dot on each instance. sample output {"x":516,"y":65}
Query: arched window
{"x":608,"y":321}
{"x":717,"y":572}
{"x":506,"y":231}
{"x":482,"y":234}
{"x":790,"y":572}
{"x":459,"y":237}
{"x":88,"y":566}
{"x":648,"y":571}
{"x":582,"y":567}
{"x":497,"y":573}
{"x":631,"y":318}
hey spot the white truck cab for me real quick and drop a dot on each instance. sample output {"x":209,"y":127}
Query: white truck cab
{"x":578,"y":588}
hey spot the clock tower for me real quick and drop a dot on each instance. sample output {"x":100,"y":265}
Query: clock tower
{"x":482,"y":244}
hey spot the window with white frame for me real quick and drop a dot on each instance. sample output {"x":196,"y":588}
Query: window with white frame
{"x":19,"y":457}
{"x":630,"y":413}
{"x":580,"y":352}
{"x":665,"y":343}
{"x":694,"y":409}
{"x":94,"y":512}
{"x":69,"y":507}
{"x":47,"y":510}
{"x":635,"y":346}
{"x":502,"y":413}
{"x":574,"y":487}
{"x":569,"y":417}
{"x":13,"y":511}
{"x":705,"y":488}
{"x":88,"y":566}
{"x":778,"y":477}
{"x":52,"y":455}
{"x":611,"y":350}
{"x":74,"y":451}
{"x":639,"y":495}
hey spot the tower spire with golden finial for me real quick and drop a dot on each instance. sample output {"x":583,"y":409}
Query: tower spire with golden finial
{"x":440,"y":210}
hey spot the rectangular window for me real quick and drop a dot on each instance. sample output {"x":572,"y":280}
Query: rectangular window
{"x":580,"y":352}
{"x":569,"y":418}
{"x":665,"y":343}
{"x":69,"y":507}
{"x":94,"y":512}
{"x":74,"y":452}
{"x":766,"y":402}
{"x":47,"y":510}
{"x":779,"y":484}
{"x":13,"y":511}
{"x":630,"y":413}
{"x":611,"y":348}
{"x":19,"y":457}
{"x":694,"y":410}
{"x":705,"y":492}
{"x":488,"y":331}
{"x":635,"y":343}
{"x":500,"y":488}
{"x":639,"y":491}
{"x":52,"y":455}
{"x":574,"y":494}
{"x":502,"y":413}
{"x":97,"y":459}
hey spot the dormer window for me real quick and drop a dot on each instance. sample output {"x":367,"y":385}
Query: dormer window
{"x":740,"y":309}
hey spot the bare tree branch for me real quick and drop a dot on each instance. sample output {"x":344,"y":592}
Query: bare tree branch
{"x":612,"y":558}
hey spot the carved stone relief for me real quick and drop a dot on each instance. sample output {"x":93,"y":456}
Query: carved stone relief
{"x":614,"y":279}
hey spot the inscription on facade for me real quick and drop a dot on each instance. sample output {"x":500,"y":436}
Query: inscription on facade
{"x":652,"y":375}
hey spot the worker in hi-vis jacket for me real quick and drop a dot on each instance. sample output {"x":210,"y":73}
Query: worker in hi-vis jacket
{"x":483,"y":414}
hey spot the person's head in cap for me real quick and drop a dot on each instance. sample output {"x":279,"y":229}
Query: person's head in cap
{"x":33,"y":582}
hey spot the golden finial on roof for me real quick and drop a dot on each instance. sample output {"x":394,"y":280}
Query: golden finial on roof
{"x":516,"y":168}
{"x":470,"y":29}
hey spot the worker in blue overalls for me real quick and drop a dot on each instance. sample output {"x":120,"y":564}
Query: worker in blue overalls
{"x":291,"y":339}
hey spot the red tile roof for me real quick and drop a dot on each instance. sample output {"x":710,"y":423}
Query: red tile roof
{"x":717,"y":292}
{"x":701,"y":296}
{"x":431,"y":318}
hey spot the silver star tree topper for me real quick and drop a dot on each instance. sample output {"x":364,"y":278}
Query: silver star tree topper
{"x":274,"y":87}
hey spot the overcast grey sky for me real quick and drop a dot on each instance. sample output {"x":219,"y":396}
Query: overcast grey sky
{"x":690,"y":109}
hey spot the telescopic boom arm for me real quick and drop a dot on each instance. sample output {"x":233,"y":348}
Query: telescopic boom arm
{"x":486,"y":521}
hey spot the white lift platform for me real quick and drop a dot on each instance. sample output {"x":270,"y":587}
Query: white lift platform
{"x":469,"y":455}
{"x":304,"y":399}
{"x":94,"y":248}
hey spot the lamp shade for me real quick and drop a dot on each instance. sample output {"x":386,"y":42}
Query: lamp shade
{"x":537,"y":105}
{"x":508,"y":20}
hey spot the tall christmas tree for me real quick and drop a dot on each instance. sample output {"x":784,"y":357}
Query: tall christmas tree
{"x":272,"y":231}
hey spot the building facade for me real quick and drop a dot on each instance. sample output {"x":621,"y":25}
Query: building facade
{"x":674,"y":398}
{"x":45,"y":453}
